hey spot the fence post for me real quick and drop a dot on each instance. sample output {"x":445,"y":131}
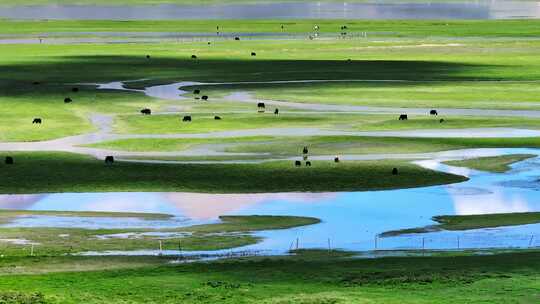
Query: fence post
{"x":160,"y":246}
{"x":531,"y":240}
{"x":458,"y":242}
{"x":296,"y":243}
{"x":329,"y":248}
{"x":32,"y":250}
{"x":375,"y":242}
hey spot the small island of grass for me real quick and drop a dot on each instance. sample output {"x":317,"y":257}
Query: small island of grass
{"x":496,"y":164}
{"x":468,"y":222}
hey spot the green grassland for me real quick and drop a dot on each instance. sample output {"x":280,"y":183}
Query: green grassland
{"x":230,"y":232}
{"x":64,"y":172}
{"x":468,"y":222}
{"x":467,"y":74}
{"x":497,"y":164}
{"x":275,"y":147}
{"x":400,"y":28}
{"x":490,"y":95}
{"x":205,"y":122}
{"x":311,"y":277}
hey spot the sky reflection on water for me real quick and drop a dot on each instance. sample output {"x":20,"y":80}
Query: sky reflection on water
{"x":349,"y":219}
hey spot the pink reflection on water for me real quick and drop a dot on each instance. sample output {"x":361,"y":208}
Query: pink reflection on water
{"x":202,"y":206}
{"x":19,"y":201}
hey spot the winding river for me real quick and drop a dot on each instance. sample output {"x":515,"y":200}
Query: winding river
{"x":350,"y":220}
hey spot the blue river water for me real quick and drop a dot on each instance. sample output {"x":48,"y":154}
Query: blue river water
{"x":350,"y":220}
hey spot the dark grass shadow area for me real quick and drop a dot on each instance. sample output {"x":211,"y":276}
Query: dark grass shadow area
{"x":19,"y":78}
{"x":44,"y":172}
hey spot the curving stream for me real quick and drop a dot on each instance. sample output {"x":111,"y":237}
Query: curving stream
{"x":350,"y":220}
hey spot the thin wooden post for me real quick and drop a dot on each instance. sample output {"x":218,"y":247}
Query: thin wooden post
{"x":375,"y":242}
{"x":160,"y":246}
{"x":531,"y":240}
{"x":296,"y":243}
{"x":32,"y":250}
{"x":458,"y":242}
{"x":329,"y":248}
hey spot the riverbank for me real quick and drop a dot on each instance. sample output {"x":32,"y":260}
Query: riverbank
{"x":64,"y":172}
{"x":469,"y":222}
{"x":310,"y":277}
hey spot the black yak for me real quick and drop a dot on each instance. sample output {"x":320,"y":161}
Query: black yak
{"x":36,"y":121}
{"x":186,"y":118}
{"x":403,"y":117}
{"x":109,"y":160}
{"x":146,"y":111}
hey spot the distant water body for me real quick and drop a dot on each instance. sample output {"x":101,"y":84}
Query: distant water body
{"x":290,"y":10}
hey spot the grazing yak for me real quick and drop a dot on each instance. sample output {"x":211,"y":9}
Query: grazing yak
{"x":305,"y":150}
{"x":441,"y":120}
{"x":433,"y":112}
{"x":276,"y":111}
{"x":253,"y":54}
{"x":109,"y":160}
{"x":67,"y":100}
{"x":217,"y":118}
{"x":147,"y":56}
{"x":308,"y":164}
{"x":395,"y":171}
{"x":9,"y":160}
{"x":403,"y":117}
{"x":74,"y":90}
{"x":196,"y":91}
{"x":193,"y":56}
{"x":36,"y":121}
{"x":186,"y":118}
{"x":336,"y":159}
{"x":261,"y":107}
{"x":237,"y":38}
{"x":297,"y":163}
{"x":205,"y":98}
{"x":146,"y":111}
